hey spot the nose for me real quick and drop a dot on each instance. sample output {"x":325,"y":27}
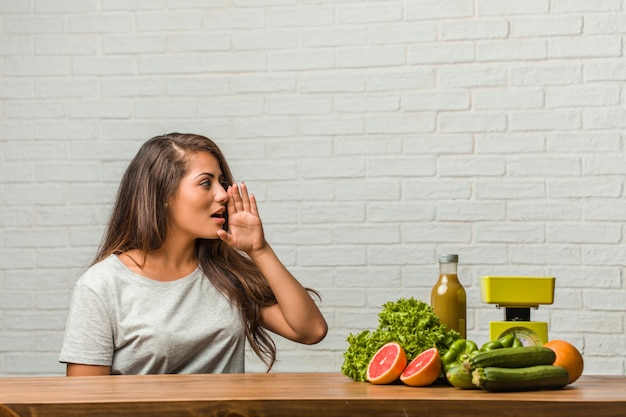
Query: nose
{"x":221,"y":195}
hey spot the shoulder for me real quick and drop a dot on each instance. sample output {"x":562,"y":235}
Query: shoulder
{"x":102,"y":274}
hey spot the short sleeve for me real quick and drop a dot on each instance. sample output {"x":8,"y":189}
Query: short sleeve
{"x":88,"y":333}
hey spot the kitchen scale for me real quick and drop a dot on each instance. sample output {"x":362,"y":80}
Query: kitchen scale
{"x":518,"y":295}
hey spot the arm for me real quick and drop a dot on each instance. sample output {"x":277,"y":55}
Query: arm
{"x":295,"y":316}
{"x":75,"y":369}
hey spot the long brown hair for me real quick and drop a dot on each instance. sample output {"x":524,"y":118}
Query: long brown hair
{"x":139,"y":221}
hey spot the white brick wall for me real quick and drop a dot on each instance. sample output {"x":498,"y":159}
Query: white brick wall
{"x":376,"y":135}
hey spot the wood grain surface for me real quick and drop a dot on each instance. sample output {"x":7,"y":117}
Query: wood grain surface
{"x":293,"y":394}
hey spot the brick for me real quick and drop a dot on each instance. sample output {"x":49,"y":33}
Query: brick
{"x":542,"y":120}
{"x":604,"y":118}
{"x":512,"y":50}
{"x":16,"y":88}
{"x":370,"y":190}
{"x":333,"y":36}
{"x":431,"y":9}
{"x":65,"y":88}
{"x":157,"y":21}
{"x":437,"y":189}
{"x":332,"y":256}
{"x":545,"y":74}
{"x":545,"y":254}
{"x":366,"y":234}
{"x":584,"y":234}
{"x":392,"y":79}
{"x":257,"y":83}
{"x":436,"y":100}
{"x":123,"y":44}
{"x":538,"y":25}
{"x":35,"y":25}
{"x":402,"y":211}
{"x":300,"y":16}
{"x":402,"y":33}
{"x":66,"y":45}
{"x":585,"y":188}
{"x":467,"y":122}
{"x":403,"y":167}
{"x":134,"y":88}
{"x":34,"y":364}
{"x":270,"y":127}
{"x":400,"y":123}
{"x":584,"y":47}
{"x":264,"y":40}
{"x":17,"y":341}
{"x":509,"y":233}
{"x":514,"y":143}
{"x":366,"y":14}
{"x":553,"y":166}
{"x":543,"y":210}
{"x":565,"y":6}
{"x":470,"y":211}
{"x":346,"y":125}
{"x":442,"y":232}
{"x":338,"y":212}
{"x":513,"y":190}
{"x":441,"y":53}
{"x":352,"y":103}
{"x":479,"y":28}
{"x":100,"y":22}
{"x":589,"y":142}
{"x":513,"y":7}
{"x":116,"y":5}
{"x":282,"y":105}
{"x":289,"y":235}
{"x":461,"y":166}
{"x":101,"y":65}
{"x":36,"y":65}
{"x":509,"y":98}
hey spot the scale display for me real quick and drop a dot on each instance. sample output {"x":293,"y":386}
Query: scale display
{"x":518,"y":295}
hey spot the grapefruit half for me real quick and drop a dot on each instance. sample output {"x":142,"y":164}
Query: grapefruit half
{"x":423,"y":370}
{"x":387,"y":364}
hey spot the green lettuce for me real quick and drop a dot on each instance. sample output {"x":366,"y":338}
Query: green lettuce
{"x":411,"y":323}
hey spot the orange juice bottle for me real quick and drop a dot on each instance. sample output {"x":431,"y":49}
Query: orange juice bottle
{"x":448,"y":298}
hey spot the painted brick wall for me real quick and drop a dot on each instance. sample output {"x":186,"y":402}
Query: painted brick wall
{"x":376,"y":135}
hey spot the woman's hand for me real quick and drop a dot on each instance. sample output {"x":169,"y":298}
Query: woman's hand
{"x":245,"y":230}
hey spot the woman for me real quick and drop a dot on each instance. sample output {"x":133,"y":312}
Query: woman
{"x":183,"y":273}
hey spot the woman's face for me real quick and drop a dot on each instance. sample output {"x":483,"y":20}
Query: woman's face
{"x":198,"y":208}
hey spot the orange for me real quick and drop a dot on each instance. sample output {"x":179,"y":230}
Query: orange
{"x":568,"y":357}
{"x":387,"y":364}
{"x":423,"y":370}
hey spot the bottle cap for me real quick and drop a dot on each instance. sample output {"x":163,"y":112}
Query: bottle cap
{"x":447,"y":257}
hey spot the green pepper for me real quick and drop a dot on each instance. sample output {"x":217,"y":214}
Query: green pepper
{"x":494,"y":344}
{"x":510,"y":340}
{"x":459,"y":351}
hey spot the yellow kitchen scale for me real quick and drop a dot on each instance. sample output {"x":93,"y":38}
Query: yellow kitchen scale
{"x":518,"y":295}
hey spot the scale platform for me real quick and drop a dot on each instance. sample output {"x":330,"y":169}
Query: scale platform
{"x":518,"y":295}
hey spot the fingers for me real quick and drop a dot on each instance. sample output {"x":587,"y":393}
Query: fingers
{"x":242,"y":201}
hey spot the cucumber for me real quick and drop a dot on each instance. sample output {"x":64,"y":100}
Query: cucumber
{"x":459,"y":377}
{"x":513,"y":357}
{"x":532,"y":378}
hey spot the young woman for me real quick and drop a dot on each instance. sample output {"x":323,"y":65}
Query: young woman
{"x":184,"y":274}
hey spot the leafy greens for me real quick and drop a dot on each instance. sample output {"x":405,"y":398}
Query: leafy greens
{"x":411,"y":323}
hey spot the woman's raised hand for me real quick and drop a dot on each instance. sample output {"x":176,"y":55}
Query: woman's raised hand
{"x":245,"y":230}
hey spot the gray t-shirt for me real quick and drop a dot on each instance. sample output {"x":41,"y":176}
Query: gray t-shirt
{"x":138,"y":325}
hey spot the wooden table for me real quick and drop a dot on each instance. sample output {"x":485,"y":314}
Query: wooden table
{"x":294,"y":395}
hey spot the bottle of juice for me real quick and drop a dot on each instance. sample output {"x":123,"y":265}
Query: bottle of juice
{"x":448,"y":298}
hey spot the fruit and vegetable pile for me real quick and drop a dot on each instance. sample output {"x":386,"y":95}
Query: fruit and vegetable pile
{"x":421,"y":352}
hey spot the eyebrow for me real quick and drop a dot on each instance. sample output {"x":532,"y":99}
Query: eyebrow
{"x":209,"y":174}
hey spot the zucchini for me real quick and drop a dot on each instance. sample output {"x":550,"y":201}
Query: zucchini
{"x":459,"y":377}
{"x":513,"y":357}
{"x":532,"y":378}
